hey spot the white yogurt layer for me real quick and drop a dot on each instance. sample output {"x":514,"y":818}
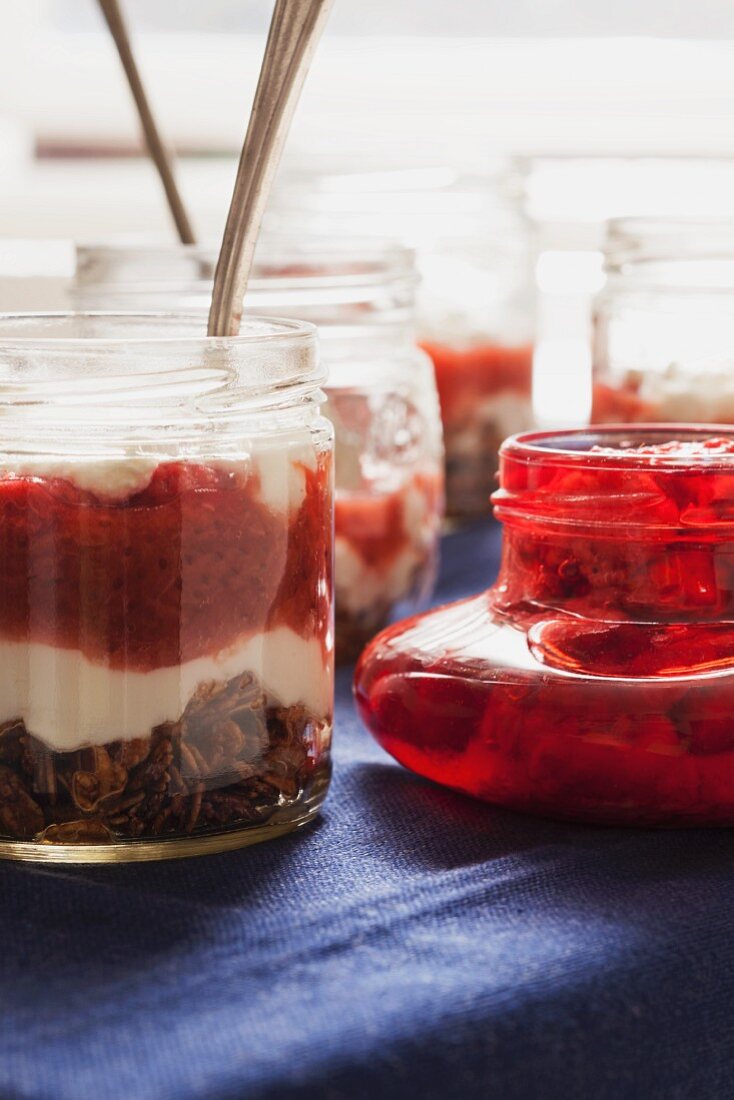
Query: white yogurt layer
{"x":279,"y":462}
{"x":67,"y":701}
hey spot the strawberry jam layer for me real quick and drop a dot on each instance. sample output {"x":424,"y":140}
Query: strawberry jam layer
{"x":485,"y":395}
{"x":465,"y":375}
{"x":182,"y":568}
{"x":596,"y":679}
{"x":386,"y":549}
{"x":379,"y":526}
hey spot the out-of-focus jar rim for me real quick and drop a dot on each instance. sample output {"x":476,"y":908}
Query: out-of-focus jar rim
{"x":323,"y":263}
{"x":573,"y":447}
{"x":47,"y":330}
{"x":649,"y":238}
{"x":670,"y":255}
{"x":690,"y":275}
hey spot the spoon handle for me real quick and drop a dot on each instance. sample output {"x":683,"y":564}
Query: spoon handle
{"x":294,"y":33}
{"x":156,"y":149}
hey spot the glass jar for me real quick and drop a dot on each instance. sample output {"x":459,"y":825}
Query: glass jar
{"x":166,"y":679}
{"x":595,"y":680}
{"x":664,"y":323}
{"x":476,"y":300}
{"x":381,"y":398}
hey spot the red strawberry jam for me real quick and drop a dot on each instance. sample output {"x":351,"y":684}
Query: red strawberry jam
{"x":485,"y":395}
{"x":595,"y":680}
{"x":386,"y":547}
{"x":183,"y":568}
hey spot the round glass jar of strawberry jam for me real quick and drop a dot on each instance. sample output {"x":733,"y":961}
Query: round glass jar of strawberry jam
{"x":165,"y":609}
{"x":664,"y":323}
{"x":595,"y":680}
{"x":381,"y":399}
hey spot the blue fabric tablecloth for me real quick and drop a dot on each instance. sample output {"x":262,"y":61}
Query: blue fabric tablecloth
{"x":412,"y":943}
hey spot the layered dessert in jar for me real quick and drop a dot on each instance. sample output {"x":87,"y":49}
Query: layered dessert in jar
{"x":595,"y":680}
{"x":381,"y":399}
{"x":165,"y":616}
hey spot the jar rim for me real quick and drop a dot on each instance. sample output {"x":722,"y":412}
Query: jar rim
{"x":163,"y":363}
{"x":669,"y":253}
{"x":555,"y":481}
{"x":632,"y":228}
{"x":319,"y":263}
{"x":573,"y":446}
{"x":265,"y":330}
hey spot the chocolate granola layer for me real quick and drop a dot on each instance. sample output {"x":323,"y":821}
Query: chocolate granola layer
{"x":234,"y":757}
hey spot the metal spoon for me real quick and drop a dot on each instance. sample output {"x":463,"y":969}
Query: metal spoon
{"x":294,"y":33}
{"x":156,"y":149}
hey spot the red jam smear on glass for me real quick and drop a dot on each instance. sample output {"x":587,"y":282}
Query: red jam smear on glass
{"x":595,"y":680}
{"x":183,"y":568}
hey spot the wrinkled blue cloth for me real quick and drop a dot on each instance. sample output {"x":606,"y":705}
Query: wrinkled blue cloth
{"x":413,"y":943}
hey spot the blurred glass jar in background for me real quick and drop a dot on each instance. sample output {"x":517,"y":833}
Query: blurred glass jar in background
{"x":663,"y":333}
{"x":476,"y":300}
{"x":381,"y":399}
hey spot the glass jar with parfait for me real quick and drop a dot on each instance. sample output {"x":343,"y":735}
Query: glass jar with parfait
{"x":381,"y":398}
{"x":166,"y":612}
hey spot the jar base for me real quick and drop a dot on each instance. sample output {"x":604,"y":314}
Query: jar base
{"x":287,"y":820}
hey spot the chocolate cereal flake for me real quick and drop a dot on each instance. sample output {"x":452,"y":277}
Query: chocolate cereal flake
{"x":233,"y":757}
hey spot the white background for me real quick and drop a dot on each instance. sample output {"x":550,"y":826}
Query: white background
{"x":451,"y":81}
